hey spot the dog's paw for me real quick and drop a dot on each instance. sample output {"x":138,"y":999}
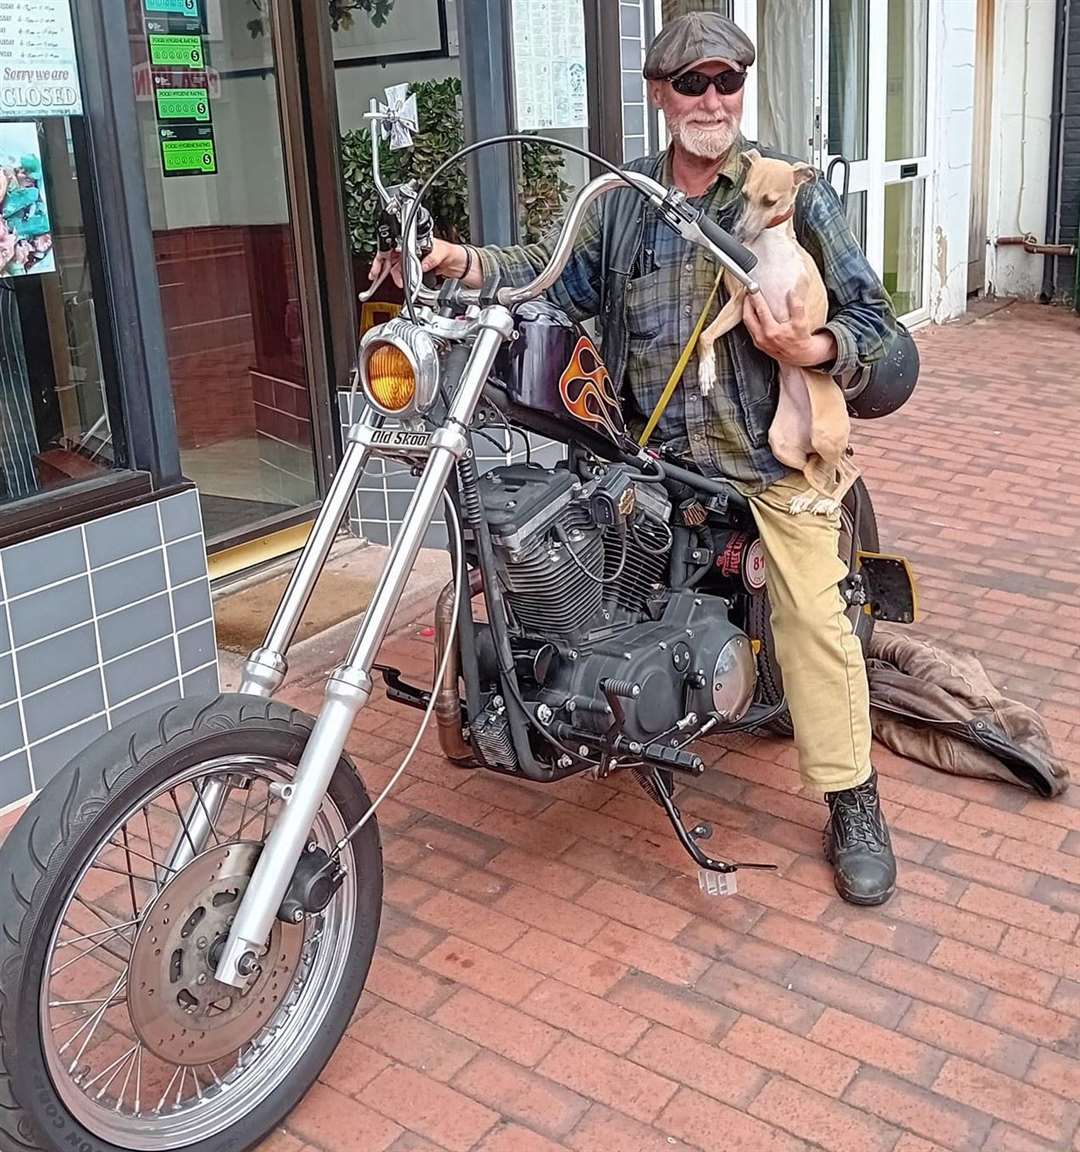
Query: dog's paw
{"x":706,"y":372}
{"x":799,"y":504}
{"x":826,"y":508}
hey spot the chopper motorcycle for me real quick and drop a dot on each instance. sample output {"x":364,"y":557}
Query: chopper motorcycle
{"x":188,"y":911}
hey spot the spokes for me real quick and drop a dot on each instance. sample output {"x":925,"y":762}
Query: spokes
{"x":146,"y":1050}
{"x":90,"y":966}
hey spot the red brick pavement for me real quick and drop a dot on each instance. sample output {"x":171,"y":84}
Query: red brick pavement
{"x":549,"y":977}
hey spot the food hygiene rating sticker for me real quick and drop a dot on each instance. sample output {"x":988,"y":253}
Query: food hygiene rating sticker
{"x":187,"y":151}
{"x":176,"y":7}
{"x":183,"y":104}
{"x":177,"y":51}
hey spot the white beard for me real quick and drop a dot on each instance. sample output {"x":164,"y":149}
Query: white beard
{"x":710,"y":141}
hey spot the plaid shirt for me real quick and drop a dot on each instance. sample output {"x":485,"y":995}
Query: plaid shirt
{"x":671,"y":285}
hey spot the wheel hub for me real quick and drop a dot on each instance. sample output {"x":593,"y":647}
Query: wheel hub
{"x":178,"y":1008}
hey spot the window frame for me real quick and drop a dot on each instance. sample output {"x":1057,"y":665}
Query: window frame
{"x":130,"y":328}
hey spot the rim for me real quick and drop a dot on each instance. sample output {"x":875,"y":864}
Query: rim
{"x":103,"y":1069}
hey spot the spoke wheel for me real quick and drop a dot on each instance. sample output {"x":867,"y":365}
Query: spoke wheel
{"x":142,"y":1047}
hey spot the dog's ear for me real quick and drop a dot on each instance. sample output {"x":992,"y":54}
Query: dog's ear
{"x":749,"y":158}
{"x":803,"y":173}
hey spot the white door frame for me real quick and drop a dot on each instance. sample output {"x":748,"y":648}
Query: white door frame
{"x":875,"y":172}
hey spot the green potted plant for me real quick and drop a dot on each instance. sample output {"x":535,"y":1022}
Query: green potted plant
{"x":542,"y":192}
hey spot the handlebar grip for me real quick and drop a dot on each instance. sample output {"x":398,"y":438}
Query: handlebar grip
{"x":727,"y":244}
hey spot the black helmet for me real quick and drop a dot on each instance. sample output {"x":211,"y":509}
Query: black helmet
{"x":886,"y":384}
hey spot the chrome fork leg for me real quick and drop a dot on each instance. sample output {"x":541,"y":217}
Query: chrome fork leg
{"x":349,"y":687}
{"x":266,"y":666}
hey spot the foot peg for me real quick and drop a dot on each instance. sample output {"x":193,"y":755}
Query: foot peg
{"x":399,"y":691}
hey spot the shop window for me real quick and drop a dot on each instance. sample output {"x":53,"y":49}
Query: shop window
{"x":58,"y":415}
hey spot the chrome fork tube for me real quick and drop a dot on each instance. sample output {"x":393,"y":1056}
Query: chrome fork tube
{"x":349,"y":687}
{"x":266,"y":666}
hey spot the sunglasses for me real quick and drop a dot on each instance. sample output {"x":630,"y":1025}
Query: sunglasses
{"x":697,"y":83}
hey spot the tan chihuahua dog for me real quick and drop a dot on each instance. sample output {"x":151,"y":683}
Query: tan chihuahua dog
{"x":810,"y":430}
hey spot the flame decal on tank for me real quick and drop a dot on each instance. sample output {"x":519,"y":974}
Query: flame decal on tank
{"x":587,"y":391}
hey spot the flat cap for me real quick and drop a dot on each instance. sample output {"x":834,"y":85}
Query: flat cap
{"x":693,"y":37}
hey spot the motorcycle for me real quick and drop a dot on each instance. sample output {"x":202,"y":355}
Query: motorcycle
{"x":190,"y":908}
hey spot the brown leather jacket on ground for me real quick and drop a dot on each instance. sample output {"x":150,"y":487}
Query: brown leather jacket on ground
{"x":936,"y":704}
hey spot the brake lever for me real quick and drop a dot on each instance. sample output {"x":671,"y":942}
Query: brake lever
{"x":367,"y":294}
{"x":686,"y":221}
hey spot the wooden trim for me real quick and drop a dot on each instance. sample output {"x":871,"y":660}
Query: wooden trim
{"x":79,"y":504}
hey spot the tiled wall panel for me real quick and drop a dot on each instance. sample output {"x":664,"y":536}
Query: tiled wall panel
{"x":385,"y":489}
{"x":98,"y":623}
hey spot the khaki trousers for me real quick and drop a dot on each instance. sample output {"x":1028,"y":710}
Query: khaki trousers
{"x":820,"y":657}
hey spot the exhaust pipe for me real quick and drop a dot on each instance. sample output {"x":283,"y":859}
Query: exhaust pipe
{"x":447,"y":697}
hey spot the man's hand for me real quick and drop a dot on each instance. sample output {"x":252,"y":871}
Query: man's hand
{"x":790,"y":341}
{"x":446,"y":260}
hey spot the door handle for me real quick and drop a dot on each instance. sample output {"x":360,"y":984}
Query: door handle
{"x":843,"y":160}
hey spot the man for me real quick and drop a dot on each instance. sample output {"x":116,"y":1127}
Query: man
{"x":647,"y":288}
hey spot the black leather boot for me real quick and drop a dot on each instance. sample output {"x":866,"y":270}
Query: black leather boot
{"x":857,"y":845}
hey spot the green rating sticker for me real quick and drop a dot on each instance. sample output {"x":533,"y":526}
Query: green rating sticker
{"x":176,"y":51}
{"x":184,"y":157}
{"x":179,"y":7}
{"x":183,"y":104}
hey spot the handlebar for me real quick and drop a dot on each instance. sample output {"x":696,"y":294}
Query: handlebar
{"x":690,"y":223}
{"x":671,"y":203}
{"x":727,"y":244}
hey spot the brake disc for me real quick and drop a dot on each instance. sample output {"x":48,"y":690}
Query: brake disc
{"x":178,"y":1009}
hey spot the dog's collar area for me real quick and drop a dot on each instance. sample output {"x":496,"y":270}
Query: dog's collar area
{"x":778,"y":220}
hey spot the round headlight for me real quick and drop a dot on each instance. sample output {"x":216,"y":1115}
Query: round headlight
{"x":391,"y":380}
{"x":399,"y":368}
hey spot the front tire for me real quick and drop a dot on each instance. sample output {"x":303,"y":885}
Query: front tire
{"x":58,"y":874}
{"x":856,"y":516}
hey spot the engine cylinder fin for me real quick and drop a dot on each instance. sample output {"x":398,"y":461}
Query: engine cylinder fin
{"x":643,"y":569}
{"x":551,"y":591}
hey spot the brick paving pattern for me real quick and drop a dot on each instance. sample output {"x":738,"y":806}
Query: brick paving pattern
{"x":549,"y":976}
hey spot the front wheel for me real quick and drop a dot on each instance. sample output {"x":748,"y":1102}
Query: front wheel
{"x":858,"y":532}
{"x":113,"y":910}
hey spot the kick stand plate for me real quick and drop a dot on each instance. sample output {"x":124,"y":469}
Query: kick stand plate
{"x":717,"y":883}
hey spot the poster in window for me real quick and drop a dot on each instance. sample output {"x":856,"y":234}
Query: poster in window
{"x":26,"y":245}
{"x":549,"y":64}
{"x":398,"y":30}
{"x":38,"y":72}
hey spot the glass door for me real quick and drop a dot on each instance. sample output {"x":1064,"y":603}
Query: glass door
{"x":214,"y":155}
{"x":810,"y":96}
{"x":906,"y":168}
{"x":875,"y":54}
{"x":822,"y":66}
{"x":844,"y":85}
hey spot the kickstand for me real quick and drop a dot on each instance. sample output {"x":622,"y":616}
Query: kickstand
{"x":660,"y":792}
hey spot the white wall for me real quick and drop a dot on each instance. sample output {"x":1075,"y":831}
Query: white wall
{"x":953,"y":80}
{"x":1020,"y":145}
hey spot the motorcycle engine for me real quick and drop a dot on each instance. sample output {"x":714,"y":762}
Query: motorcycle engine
{"x":583,"y":565}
